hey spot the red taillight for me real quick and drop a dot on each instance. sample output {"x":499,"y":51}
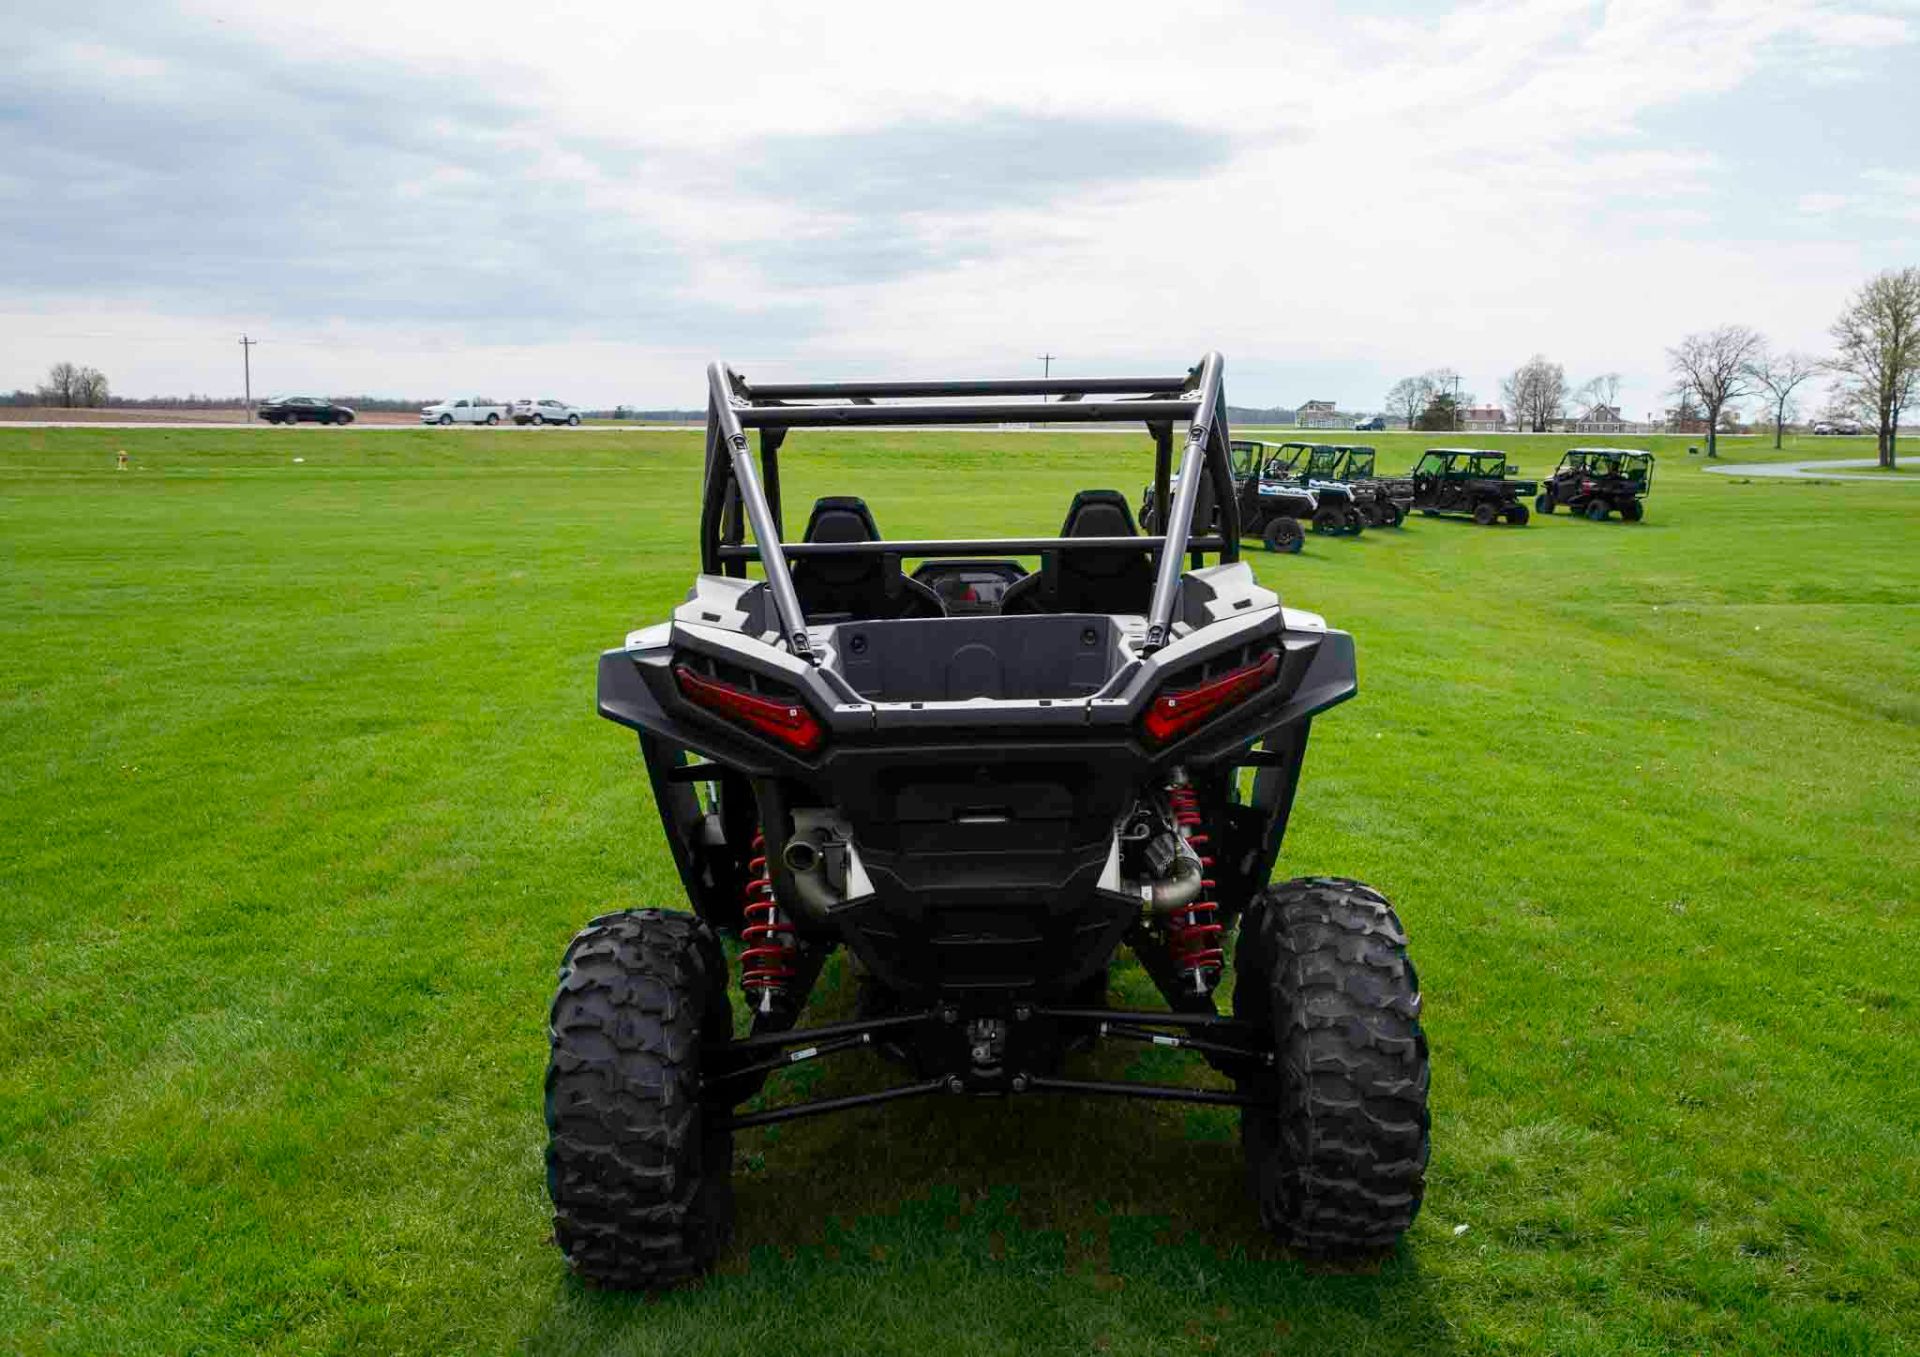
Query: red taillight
{"x":1174,"y":714}
{"x":788,"y":722}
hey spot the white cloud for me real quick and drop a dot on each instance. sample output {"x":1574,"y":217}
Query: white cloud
{"x":1393,"y":192}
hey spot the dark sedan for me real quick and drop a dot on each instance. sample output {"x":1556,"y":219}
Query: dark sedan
{"x":294,"y":409}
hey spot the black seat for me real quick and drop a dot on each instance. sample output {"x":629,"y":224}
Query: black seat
{"x":855,"y":588}
{"x":1116,"y":581}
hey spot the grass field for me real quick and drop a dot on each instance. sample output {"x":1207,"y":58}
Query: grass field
{"x":303,"y":793}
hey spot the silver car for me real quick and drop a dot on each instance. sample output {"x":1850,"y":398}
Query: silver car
{"x":545,"y":412}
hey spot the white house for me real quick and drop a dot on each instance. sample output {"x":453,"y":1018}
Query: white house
{"x":1319,"y":415}
{"x":1602,"y":418}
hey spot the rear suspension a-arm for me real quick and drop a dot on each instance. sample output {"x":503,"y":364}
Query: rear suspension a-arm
{"x":1228,"y":1044}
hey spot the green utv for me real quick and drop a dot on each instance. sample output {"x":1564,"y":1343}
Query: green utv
{"x":977,"y":813}
{"x":1475,"y":482}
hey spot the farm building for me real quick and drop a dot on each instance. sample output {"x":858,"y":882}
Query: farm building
{"x":1320,"y":415}
{"x":1601,"y":418}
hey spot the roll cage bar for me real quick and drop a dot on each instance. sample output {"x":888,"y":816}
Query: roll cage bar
{"x":737,"y":497}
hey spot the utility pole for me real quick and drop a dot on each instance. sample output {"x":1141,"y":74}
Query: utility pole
{"x":1456,"y":402}
{"x":1046,"y":364}
{"x":246,"y":371}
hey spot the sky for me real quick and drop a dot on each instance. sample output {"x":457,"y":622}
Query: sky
{"x":590,"y":202}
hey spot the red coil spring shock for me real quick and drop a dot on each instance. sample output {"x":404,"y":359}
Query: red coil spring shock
{"x":1193,"y":933}
{"x":766,"y":963}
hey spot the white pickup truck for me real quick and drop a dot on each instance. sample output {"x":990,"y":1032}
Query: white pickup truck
{"x":464,"y":410}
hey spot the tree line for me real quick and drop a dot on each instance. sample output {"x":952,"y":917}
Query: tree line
{"x":1875,"y":368}
{"x":71,"y":387}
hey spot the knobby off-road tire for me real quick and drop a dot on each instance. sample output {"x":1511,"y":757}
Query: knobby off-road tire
{"x":1484,"y":513}
{"x":1282,"y":534}
{"x":1543,"y":504}
{"x":1328,"y":522}
{"x":1517,"y":515}
{"x":1338,"y":1164}
{"x":639,"y":1173}
{"x":1597,"y":511}
{"x":1632,"y":511}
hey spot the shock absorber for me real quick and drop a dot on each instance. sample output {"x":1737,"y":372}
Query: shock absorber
{"x":766,"y":962}
{"x":1193,"y":933}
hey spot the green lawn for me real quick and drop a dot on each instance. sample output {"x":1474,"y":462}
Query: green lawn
{"x":303,"y":793}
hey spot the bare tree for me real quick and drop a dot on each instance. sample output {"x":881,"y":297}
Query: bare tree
{"x":1879,"y":358}
{"x":1595,"y":393}
{"x":61,"y":385}
{"x":90,"y":387}
{"x":1536,"y":393}
{"x":1780,"y":373}
{"x":1607,"y":387}
{"x":1409,"y":396}
{"x":1715,"y":366}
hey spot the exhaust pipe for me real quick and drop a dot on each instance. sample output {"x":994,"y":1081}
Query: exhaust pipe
{"x":806,"y":869}
{"x":1178,"y":889}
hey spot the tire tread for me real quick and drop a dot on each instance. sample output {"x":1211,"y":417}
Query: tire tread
{"x":1339,"y":1165}
{"x":639,"y":1182}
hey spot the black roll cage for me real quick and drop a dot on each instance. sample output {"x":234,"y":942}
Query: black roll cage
{"x":737,"y":497}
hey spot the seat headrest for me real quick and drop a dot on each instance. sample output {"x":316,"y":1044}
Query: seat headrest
{"x":1099,"y":513}
{"x":841,"y":518}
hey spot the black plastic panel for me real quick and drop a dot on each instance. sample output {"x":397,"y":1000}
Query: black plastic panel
{"x":952,"y":659}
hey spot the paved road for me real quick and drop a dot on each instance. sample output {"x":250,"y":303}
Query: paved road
{"x":1810,"y":470}
{"x":455,"y":429}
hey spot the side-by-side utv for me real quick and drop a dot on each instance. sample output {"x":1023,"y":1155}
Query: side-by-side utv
{"x":985,"y":809}
{"x":1471,"y":481}
{"x":1381,"y":499}
{"x":1599,"y":481}
{"x":1311,"y":466}
{"x":1273,"y":502}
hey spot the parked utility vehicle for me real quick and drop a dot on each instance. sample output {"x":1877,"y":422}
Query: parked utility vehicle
{"x":983,"y":810}
{"x":464,"y":410}
{"x":1310,"y":465}
{"x":1599,"y":481}
{"x":1381,"y":500}
{"x":1272,"y":507}
{"x":1473,"y":481}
